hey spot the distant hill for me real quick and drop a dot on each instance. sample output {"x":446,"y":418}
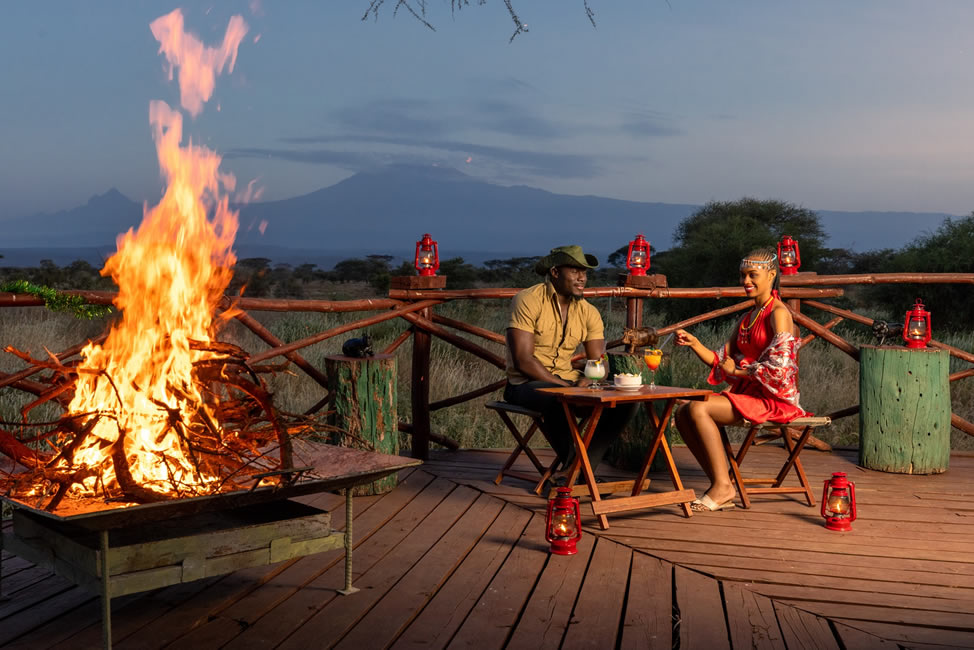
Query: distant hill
{"x":386,"y":211}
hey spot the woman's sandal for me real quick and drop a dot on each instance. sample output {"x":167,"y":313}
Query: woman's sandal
{"x":705,"y":504}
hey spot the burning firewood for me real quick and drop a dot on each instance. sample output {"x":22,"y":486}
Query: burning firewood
{"x":235,"y":438}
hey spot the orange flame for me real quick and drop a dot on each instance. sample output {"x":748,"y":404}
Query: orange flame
{"x":171,"y":274}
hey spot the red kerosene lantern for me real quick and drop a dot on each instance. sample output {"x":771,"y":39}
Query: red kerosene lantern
{"x":427,"y":256}
{"x":916,"y":327}
{"x":637,"y":259}
{"x":789,"y":257}
{"x":839,"y":502}
{"x":562,"y":527}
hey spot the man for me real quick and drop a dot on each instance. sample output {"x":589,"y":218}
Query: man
{"x":548,"y":322}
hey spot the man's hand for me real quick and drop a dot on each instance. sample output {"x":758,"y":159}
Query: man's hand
{"x":583,"y":382}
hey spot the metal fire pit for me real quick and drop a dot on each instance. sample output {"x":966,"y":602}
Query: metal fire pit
{"x":142,"y":547}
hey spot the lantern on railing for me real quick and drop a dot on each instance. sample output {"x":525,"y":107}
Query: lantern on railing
{"x":427,"y":256}
{"x":789,"y":257}
{"x":916,"y":327}
{"x":563,"y":523}
{"x":839,"y":502}
{"x":637,"y":259}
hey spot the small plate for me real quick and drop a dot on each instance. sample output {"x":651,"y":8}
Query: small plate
{"x":629,"y":388}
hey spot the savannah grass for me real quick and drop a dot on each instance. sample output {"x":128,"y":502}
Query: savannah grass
{"x":828,"y":378}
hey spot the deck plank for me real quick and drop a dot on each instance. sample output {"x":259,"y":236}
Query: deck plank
{"x":482,"y":577}
{"x":751,"y":619}
{"x":331,"y":622}
{"x":803,"y":630}
{"x":394,"y":610}
{"x":855,"y":638}
{"x":437,"y":623}
{"x":491,"y":622}
{"x":598,"y":612}
{"x":549,"y":611}
{"x":702,"y":623}
{"x":385,"y":524}
{"x":648,"y":619}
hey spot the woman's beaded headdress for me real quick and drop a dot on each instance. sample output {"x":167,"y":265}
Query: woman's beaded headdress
{"x":765,"y":264}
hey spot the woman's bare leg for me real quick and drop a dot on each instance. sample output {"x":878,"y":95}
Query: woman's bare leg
{"x":698,"y":422}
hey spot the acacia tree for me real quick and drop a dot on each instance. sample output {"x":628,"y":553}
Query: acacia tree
{"x":418,"y":10}
{"x":711,"y":242}
{"x":949,"y":249}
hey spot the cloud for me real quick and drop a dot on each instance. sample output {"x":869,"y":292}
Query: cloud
{"x":511,"y":119}
{"x":648,"y":124}
{"x":392,"y":116}
{"x":537,"y":163}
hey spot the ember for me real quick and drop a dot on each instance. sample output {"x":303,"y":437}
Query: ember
{"x":160,"y":409}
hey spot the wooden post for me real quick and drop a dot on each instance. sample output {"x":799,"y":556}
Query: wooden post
{"x":420,"y":372}
{"x":904,"y":414}
{"x":420,"y":389}
{"x":630,"y":448}
{"x":364,"y":393}
{"x":634,"y":313}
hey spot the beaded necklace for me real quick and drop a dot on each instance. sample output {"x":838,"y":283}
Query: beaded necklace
{"x":744,"y":331}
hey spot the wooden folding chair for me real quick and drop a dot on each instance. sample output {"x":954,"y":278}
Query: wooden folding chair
{"x":794,"y":447}
{"x":504,"y":410}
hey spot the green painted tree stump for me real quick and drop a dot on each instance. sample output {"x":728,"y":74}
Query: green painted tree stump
{"x":904,"y":410}
{"x":632,"y":445}
{"x":363,"y":409}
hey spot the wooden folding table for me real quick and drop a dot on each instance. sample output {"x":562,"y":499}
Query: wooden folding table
{"x":598,"y":400}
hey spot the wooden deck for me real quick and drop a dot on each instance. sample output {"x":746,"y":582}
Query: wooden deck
{"x":448,"y":559}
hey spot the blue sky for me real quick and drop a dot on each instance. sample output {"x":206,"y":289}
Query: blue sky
{"x":865,"y":105}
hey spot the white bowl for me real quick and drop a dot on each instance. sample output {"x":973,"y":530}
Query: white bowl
{"x":627,"y":381}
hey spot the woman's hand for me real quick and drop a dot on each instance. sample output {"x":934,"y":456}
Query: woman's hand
{"x":685,"y":338}
{"x":729,"y":367}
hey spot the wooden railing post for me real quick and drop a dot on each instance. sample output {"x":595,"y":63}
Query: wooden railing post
{"x":634,"y":306}
{"x":634,"y":312}
{"x":420,"y":389}
{"x":419,"y":393}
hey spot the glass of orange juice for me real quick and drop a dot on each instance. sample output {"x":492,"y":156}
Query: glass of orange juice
{"x":653,"y":357}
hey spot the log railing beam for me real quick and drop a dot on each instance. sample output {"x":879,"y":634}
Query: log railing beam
{"x":341,"y":329}
{"x":470,"y":329}
{"x":465,"y":397}
{"x":832,"y":338}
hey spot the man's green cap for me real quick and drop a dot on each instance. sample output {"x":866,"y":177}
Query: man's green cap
{"x":565,"y":256}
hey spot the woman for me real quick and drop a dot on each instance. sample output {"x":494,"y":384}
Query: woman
{"x":760,"y":364}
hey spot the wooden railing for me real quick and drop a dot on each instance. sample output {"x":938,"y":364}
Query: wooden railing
{"x":416,"y":306}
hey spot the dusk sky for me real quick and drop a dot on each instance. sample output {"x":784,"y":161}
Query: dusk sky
{"x":832,"y":105}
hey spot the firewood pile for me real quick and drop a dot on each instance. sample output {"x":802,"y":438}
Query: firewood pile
{"x":238,"y":438}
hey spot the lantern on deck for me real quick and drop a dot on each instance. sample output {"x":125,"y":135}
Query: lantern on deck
{"x":916,"y":327}
{"x":789,"y":257}
{"x":839,"y":502}
{"x":637,"y":259}
{"x":427,"y":256}
{"x":562,"y":523}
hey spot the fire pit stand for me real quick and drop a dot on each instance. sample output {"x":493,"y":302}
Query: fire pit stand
{"x":141,"y":548}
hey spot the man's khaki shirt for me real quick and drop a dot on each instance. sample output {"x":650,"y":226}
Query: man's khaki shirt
{"x":535,"y":310}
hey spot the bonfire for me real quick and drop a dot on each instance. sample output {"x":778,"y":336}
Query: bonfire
{"x":158,"y":408}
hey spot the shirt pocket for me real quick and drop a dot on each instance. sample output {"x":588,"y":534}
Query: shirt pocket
{"x":573,"y":336}
{"x":546,"y":336}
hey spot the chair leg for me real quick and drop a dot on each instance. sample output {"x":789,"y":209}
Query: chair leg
{"x":735,"y":466}
{"x":544,"y":477}
{"x":794,"y":448}
{"x":746,"y":445}
{"x":521,"y":444}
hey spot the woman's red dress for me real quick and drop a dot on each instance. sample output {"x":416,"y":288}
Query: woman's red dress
{"x":770,"y":391}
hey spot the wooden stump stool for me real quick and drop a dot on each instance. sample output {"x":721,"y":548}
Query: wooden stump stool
{"x":363,"y":400}
{"x":904,"y":410}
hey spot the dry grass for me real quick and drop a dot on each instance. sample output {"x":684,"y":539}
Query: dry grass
{"x":829,"y":379}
